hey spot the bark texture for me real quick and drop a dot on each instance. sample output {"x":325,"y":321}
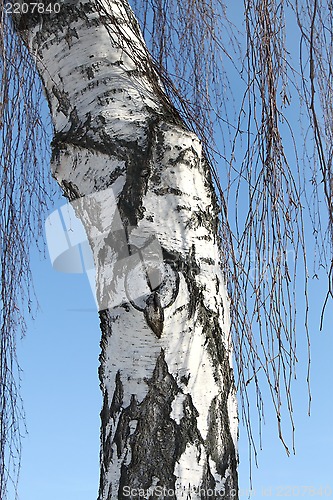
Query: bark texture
{"x":169,"y":418}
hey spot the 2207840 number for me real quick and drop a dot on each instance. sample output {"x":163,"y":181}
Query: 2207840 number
{"x":31,"y":8}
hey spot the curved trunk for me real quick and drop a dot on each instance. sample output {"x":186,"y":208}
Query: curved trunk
{"x":169,"y":418}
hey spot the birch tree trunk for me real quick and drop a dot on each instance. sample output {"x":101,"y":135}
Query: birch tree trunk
{"x":169,"y":418}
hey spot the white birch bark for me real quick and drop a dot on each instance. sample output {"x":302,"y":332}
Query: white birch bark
{"x":169,"y":418}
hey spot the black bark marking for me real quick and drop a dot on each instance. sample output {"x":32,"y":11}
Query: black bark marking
{"x":123,"y":430}
{"x":219,"y":437}
{"x":154,"y":442}
{"x":71,"y":191}
{"x":54,"y":22}
{"x":118,"y":397}
{"x":188,"y":432}
{"x":184,"y":379}
{"x":64,"y":104}
{"x":154,"y":314}
{"x":71,"y":33}
{"x":139,"y":166}
{"x":110,"y":412}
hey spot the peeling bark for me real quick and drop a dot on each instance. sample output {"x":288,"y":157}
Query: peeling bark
{"x":169,"y":417}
